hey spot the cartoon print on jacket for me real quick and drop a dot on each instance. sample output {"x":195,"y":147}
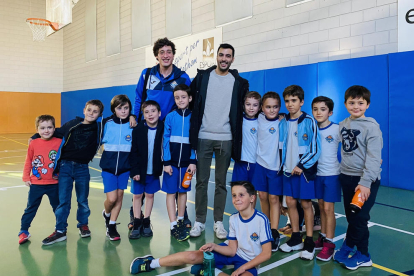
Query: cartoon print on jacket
{"x":349,"y":139}
{"x":37,"y":165}
{"x":52,"y":157}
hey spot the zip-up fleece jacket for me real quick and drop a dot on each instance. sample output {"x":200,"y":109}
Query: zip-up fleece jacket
{"x":65,"y":132}
{"x":308,"y":141}
{"x":117,"y":137}
{"x":139,"y":151}
{"x":199,"y":92}
{"x":176,"y":144}
{"x":361,"y":149}
{"x":160,"y":89}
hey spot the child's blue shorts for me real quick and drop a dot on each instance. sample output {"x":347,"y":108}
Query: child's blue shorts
{"x":265,"y":180}
{"x":172,"y":183}
{"x":113,"y":182}
{"x":243,"y":171}
{"x":151,"y":186}
{"x":328,"y":188}
{"x":237,"y":261}
{"x":297,"y":187}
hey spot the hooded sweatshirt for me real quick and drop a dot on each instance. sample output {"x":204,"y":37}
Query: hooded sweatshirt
{"x":361,"y":149}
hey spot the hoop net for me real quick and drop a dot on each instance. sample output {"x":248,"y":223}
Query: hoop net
{"x":39,"y":27}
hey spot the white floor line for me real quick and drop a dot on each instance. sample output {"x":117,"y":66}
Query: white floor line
{"x":392,"y":228}
{"x":7,"y":157}
{"x":175,"y":271}
{"x":5,"y":188}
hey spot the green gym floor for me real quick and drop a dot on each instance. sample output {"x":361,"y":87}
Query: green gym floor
{"x":391,"y":228}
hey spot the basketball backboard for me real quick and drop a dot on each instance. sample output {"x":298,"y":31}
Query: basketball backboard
{"x":59,"y":11}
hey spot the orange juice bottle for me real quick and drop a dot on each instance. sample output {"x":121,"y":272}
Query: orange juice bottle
{"x":357,"y":202}
{"x":186,"y":180}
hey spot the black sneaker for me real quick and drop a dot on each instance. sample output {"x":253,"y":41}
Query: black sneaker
{"x":276,"y":240}
{"x":295,"y":243}
{"x":175,"y":232}
{"x":141,"y":264}
{"x":84,"y":231}
{"x":187,"y":221}
{"x":112,"y":234}
{"x":131,"y":218}
{"x":146,"y":230}
{"x":185,"y":231}
{"x":308,"y":251}
{"x":136,"y":229}
{"x":107,"y":219}
{"x":54,"y":237}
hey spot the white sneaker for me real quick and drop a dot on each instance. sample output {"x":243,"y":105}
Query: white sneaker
{"x":221,"y":233}
{"x":197,"y":229}
{"x":306,"y":255}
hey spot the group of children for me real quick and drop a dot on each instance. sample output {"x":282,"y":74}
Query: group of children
{"x":292,"y":155}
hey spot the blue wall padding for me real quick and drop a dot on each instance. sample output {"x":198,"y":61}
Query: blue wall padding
{"x":401,"y":126}
{"x":73,"y":102}
{"x":256,"y":80}
{"x":305,"y":75}
{"x":390,"y":79}
{"x":372,"y":72}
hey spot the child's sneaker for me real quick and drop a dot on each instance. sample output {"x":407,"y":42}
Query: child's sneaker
{"x":197,"y":270}
{"x":84,"y":231}
{"x":292,"y":244}
{"x":308,"y":251}
{"x":183,"y":229}
{"x":327,"y":251}
{"x":24,"y":237}
{"x":319,"y":242}
{"x":276,"y":240}
{"x":112,"y":233}
{"x":107,"y":219}
{"x":342,"y":254}
{"x":221,"y":233}
{"x":54,"y":237}
{"x":358,"y":260}
{"x":197,"y":229}
{"x":136,"y":229}
{"x":146,"y":230}
{"x":141,"y":264}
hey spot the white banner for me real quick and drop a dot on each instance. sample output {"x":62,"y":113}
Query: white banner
{"x":405,"y":25}
{"x":192,"y":52}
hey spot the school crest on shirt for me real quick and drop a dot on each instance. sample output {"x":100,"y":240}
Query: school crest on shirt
{"x":349,"y":139}
{"x":305,"y":137}
{"x":254,"y":237}
{"x":272,"y":130}
{"x":174,"y":84}
{"x":253,"y":130}
{"x":329,"y":138}
{"x":128,"y":138}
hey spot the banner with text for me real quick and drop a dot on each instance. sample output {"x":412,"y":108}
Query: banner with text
{"x":405,"y":25}
{"x":192,"y":52}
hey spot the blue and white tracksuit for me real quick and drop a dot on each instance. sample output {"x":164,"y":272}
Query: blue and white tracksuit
{"x":160,"y":89}
{"x":308,"y":141}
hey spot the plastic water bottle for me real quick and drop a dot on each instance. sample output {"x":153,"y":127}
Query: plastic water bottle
{"x":357,"y":202}
{"x":209,"y":264}
{"x":186,"y":180}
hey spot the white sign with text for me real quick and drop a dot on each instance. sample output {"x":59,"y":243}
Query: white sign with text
{"x":192,"y":52}
{"x":405,"y":25}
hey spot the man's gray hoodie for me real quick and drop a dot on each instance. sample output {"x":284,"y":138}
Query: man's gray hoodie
{"x":361,"y":149}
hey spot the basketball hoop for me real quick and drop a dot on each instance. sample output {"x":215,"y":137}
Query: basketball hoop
{"x":39,"y":27}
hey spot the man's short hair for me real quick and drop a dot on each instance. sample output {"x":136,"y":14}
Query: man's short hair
{"x":322,"y":99}
{"x":161,"y":42}
{"x":246,"y":184}
{"x":253,"y":94}
{"x":183,"y":87}
{"x":358,"y":91}
{"x":97,"y":103}
{"x":44,"y":118}
{"x":148,"y":103}
{"x":120,"y":100}
{"x":225,"y":46}
{"x":294,"y":90}
{"x":271,"y":95}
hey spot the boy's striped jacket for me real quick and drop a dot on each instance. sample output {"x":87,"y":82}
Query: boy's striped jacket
{"x":176,"y":144}
{"x":309,"y":144}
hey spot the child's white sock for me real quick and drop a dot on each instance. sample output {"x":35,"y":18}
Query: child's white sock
{"x":172,"y":225}
{"x":107,"y":215}
{"x":323,"y":235}
{"x":180,"y":218}
{"x":155,"y":263}
{"x":331,"y":240}
{"x":112,"y":222}
{"x":217,"y":271}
